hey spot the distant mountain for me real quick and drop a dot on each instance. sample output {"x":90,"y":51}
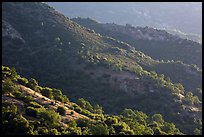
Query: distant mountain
{"x":183,"y":16}
{"x":190,"y":36}
{"x":46,"y":45}
{"x":158,"y":44}
{"x":150,"y":41}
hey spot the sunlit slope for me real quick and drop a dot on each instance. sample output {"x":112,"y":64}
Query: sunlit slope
{"x":42,"y":43}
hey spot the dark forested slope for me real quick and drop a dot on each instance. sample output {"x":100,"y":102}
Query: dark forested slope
{"x":29,"y":109}
{"x":156,"y":43}
{"x":44,"y":44}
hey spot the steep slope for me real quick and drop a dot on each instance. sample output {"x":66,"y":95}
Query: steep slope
{"x":193,"y":37}
{"x":29,"y":111}
{"x":46,"y":45}
{"x":150,"y":41}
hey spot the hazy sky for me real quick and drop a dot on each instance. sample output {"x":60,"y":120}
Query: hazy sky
{"x":185,"y":16}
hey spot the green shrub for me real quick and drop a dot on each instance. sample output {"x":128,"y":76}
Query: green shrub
{"x":27,"y":99}
{"x":81,"y":102}
{"x":99,"y":129}
{"x":8,"y":86}
{"x":61,"y":110}
{"x":20,"y":125}
{"x":49,"y":117}
{"x":82,"y":122}
{"x":59,"y":98}
{"x":42,"y":131}
{"x":32,"y":83}
{"x":12,"y":122}
{"x":17,"y":94}
{"x":120,"y":127}
{"x":109,"y":121}
{"x":47,"y":92}
{"x":98,"y":109}
{"x":9,"y":111}
{"x":71,"y":113}
{"x":34,"y":104}
{"x":54,"y":132}
{"x":66,"y":100}
{"x":71,"y":107}
{"x":85,"y":112}
{"x":77,"y":109}
{"x":39,"y":88}
{"x":22,"y":81}
{"x":30,"y":111}
{"x":128,"y":132}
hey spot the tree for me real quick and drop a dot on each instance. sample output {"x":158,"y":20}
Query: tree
{"x":47,"y":92}
{"x":61,"y":110}
{"x":50,"y":117}
{"x":42,"y":131}
{"x":21,"y":125}
{"x":120,"y":127}
{"x":128,"y":132}
{"x":158,"y":118}
{"x":189,"y":98}
{"x":8,"y":86}
{"x":81,"y":102}
{"x":98,"y":109}
{"x":77,"y":109}
{"x":54,"y":132}
{"x":153,"y":74}
{"x":66,"y":100}
{"x":196,"y":100}
{"x":56,"y":92}
{"x":32,"y":83}
{"x":128,"y":113}
{"x":72,"y":124}
{"x":161,"y":76}
{"x":22,"y":81}
{"x":88,"y":106}
{"x":169,"y":128}
{"x":9,"y":111}
{"x":148,"y":131}
{"x":197,"y":131}
{"x":72,"y":112}
{"x":14,"y":74}
{"x":12,"y":122}
{"x":35,"y":104}
{"x":180,"y":87}
{"x":99,"y":129}
{"x":168,"y":80}
{"x":110,"y":120}
{"x":30,"y":111}
{"x":83,"y":122}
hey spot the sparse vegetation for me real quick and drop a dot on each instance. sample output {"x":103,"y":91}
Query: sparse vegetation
{"x":100,"y":79}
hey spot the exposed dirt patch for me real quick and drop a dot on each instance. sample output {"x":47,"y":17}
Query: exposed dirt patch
{"x":52,"y":104}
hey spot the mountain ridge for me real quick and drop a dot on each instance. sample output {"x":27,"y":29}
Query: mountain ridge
{"x":149,"y":41}
{"x":26,"y":101}
{"x":64,"y":55}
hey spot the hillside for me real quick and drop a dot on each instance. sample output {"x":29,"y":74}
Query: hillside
{"x":150,"y":41}
{"x":172,"y":50}
{"x":193,"y":37}
{"x":44,"y":44}
{"x":27,"y":110}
